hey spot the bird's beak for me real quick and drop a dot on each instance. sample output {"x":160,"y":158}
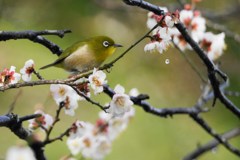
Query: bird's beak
{"x":117,"y":45}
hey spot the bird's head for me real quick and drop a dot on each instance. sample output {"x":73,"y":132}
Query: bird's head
{"x":103,"y":45}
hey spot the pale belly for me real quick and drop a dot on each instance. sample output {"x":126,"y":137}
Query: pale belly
{"x":81,"y":60}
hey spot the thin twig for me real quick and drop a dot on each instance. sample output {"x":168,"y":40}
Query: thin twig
{"x":109,"y":65}
{"x":56,"y":119}
{"x":12,"y":105}
{"x":38,"y":75}
{"x":60,"y":137}
{"x":89,"y":99}
{"x":204,"y":80}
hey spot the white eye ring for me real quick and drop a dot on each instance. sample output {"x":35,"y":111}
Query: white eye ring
{"x":105,"y":43}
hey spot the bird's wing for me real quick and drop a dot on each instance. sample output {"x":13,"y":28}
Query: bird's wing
{"x":70,"y":50}
{"x":65,"y":54}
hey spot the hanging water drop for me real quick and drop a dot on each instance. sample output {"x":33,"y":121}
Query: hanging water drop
{"x":167,"y":61}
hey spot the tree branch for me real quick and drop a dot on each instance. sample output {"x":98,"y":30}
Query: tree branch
{"x":36,"y":36}
{"x":213,"y":71}
{"x":212,"y":144}
{"x":14,"y":123}
{"x":145,"y":5}
{"x":218,"y":137}
{"x":161,"y":112}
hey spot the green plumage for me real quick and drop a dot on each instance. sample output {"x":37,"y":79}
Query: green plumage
{"x":85,"y":55}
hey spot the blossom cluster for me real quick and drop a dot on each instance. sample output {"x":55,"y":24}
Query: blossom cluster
{"x":94,"y":141}
{"x":67,"y":97}
{"x":10,"y":76}
{"x":91,"y":140}
{"x":166,"y":33}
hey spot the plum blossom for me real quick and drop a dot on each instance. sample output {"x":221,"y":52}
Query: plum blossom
{"x":65,"y":97}
{"x":27,"y":70}
{"x":74,"y":145}
{"x":97,"y":80}
{"x":83,"y":86}
{"x":79,"y":128}
{"x":45,"y":121}
{"x":213,"y":45}
{"x":186,"y":17}
{"x":134,"y":92}
{"x":120,"y":103}
{"x":195,"y":24}
{"x":95,"y":141}
{"x":198,"y":26}
{"x":160,"y":41}
{"x":153,"y":19}
{"x":102,"y":147}
{"x":90,"y":146}
{"x":116,"y":124}
{"x":169,"y":21}
{"x":9,"y":76}
{"x":20,"y":153}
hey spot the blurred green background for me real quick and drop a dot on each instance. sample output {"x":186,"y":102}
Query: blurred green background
{"x":169,"y":85}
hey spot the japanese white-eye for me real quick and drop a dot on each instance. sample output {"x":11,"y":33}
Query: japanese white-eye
{"x":86,"y":54}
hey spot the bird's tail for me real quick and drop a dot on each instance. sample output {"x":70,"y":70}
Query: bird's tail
{"x":49,"y":65}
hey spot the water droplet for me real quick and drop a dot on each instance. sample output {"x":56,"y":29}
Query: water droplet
{"x":167,"y":61}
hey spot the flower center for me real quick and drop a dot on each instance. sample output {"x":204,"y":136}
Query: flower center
{"x":61,"y":91}
{"x":96,"y":81}
{"x":120,"y":101}
{"x":29,"y":70}
{"x":87,"y":142}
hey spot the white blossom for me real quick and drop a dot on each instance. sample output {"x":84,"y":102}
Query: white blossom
{"x":161,"y":41}
{"x":213,"y":44}
{"x":102,"y":148}
{"x":67,"y":97}
{"x":186,"y":17}
{"x":27,"y":70}
{"x":44,"y":120}
{"x":74,"y":145}
{"x":151,"y":21}
{"x":169,"y":21}
{"x":80,"y":128}
{"x":9,"y":76}
{"x":198,"y":27}
{"x":88,"y":144}
{"x":120,"y":103}
{"x":97,"y":80}
{"x":134,"y":92}
{"x":20,"y":153}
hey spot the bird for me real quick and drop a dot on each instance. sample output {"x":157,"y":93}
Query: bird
{"x":85,"y":55}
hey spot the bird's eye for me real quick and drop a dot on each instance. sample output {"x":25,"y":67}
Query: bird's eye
{"x":105,"y":43}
